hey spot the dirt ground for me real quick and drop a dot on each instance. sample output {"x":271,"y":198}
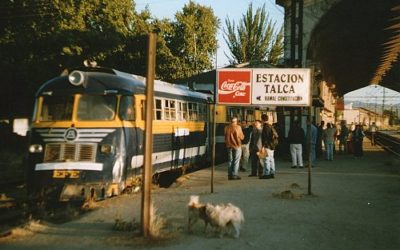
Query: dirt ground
{"x":355,"y":205}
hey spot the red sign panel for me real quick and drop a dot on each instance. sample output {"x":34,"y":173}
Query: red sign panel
{"x":234,"y":86}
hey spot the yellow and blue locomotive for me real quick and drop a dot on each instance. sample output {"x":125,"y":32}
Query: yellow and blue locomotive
{"x":86,"y":136}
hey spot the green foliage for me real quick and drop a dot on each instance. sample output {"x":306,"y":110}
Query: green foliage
{"x":39,"y":39}
{"x":194,"y":41}
{"x":254,"y":39}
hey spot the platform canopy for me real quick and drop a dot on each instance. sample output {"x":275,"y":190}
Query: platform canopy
{"x":357,"y":43}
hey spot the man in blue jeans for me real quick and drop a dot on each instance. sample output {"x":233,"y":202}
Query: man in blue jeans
{"x":267,"y":137}
{"x":233,"y":141}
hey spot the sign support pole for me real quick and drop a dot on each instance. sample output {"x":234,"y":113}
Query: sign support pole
{"x":309,"y":137}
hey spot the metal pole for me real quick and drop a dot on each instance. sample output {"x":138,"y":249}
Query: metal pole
{"x":148,"y":140}
{"x":309,"y":137}
{"x":214,"y":109}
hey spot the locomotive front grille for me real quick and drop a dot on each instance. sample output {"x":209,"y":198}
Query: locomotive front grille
{"x":66,"y":152}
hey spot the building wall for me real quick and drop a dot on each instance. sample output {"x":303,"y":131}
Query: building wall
{"x":365,"y":117}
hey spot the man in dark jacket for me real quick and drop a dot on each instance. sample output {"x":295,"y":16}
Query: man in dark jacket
{"x":296,"y":138}
{"x":255,"y":147}
{"x":267,"y":140}
{"x":244,"y":161}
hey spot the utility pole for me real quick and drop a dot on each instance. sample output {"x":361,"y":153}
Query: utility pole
{"x":296,"y":33}
{"x":148,"y":139}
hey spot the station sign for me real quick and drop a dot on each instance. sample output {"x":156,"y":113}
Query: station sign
{"x":271,"y":86}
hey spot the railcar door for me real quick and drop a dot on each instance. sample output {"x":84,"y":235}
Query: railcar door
{"x":132,"y":146}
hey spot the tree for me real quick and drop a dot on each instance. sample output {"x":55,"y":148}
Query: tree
{"x":38,"y":39}
{"x":194,"y":39}
{"x":254,"y":39}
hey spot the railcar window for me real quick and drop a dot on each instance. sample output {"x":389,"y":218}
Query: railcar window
{"x":158,"y":109}
{"x":143,"y":109}
{"x":249,"y":114}
{"x":56,"y":108}
{"x":182,"y":111}
{"x":234,"y":112}
{"x":202,"y":112}
{"x":193,"y":111}
{"x":97,"y":108}
{"x":169,"y":110}
{"x":127,"y":108}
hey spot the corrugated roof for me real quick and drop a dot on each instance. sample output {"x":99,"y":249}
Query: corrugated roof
{"x":391,"y":48}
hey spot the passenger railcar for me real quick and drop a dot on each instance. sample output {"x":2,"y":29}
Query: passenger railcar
{"x":86,"y":136}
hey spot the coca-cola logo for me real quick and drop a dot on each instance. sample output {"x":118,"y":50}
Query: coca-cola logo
{"x":238,"y":88}
{"x":234,"y":86}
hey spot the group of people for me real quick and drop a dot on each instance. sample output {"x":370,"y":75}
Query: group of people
{"x":350,"y":139}
{"x":256,"y":143}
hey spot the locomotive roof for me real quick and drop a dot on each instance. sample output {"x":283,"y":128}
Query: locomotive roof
{"x":100,"y":80}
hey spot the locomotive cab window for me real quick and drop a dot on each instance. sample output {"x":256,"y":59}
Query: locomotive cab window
{"x":127,"y":108}
{"x":96,"y":107}
{"x":56,"y":108}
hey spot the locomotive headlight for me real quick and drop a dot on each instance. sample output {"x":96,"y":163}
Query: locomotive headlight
{"x":36,"y":148}
{"x":76,"y":77}
{"x":107,"y":149}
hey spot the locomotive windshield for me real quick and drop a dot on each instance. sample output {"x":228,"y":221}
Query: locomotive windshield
{"x":57,"y":108}
{"x":96,"y":107}
{"x":90,"y":108}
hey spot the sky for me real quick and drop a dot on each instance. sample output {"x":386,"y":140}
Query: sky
{"x":374,"y":94}
{"x":234,"y":9}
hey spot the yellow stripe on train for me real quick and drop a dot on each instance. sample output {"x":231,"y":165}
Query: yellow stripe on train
{"x":159,"y":127}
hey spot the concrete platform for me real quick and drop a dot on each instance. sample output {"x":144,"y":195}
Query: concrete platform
{"x":355,"y":205}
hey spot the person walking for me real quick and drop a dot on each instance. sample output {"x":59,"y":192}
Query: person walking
{"x":314,"y":136}
{"x":233,"y":137}
{"x":357,"y":137}
{"x":319,"y":150}
{"x":244,"y":160}
{"x":329,"y":139}
{"x":343,"y":135}
{"x":269,"y":140}
{"x":373,"y":130}
{"x":255,"y":147}
{"x":296,"y":138}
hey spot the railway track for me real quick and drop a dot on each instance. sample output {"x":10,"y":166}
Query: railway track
{"x":388,"y":140}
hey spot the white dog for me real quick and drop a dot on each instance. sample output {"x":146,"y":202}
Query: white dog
{"x":224,"y":218}
{"x":196,"y":211}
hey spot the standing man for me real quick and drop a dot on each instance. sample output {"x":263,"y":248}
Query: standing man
{"x":314,"y":136}
{"x":343,"y":135}
{"x":329,"y":139}
{"x":373,"y":133}
{"x":233,"y":138}
{"x":255,"y":147}
{"x":319,"y":139}
{"x":296,"y":138}
{"x":244,"y":160}
{"x":268,"y":140}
